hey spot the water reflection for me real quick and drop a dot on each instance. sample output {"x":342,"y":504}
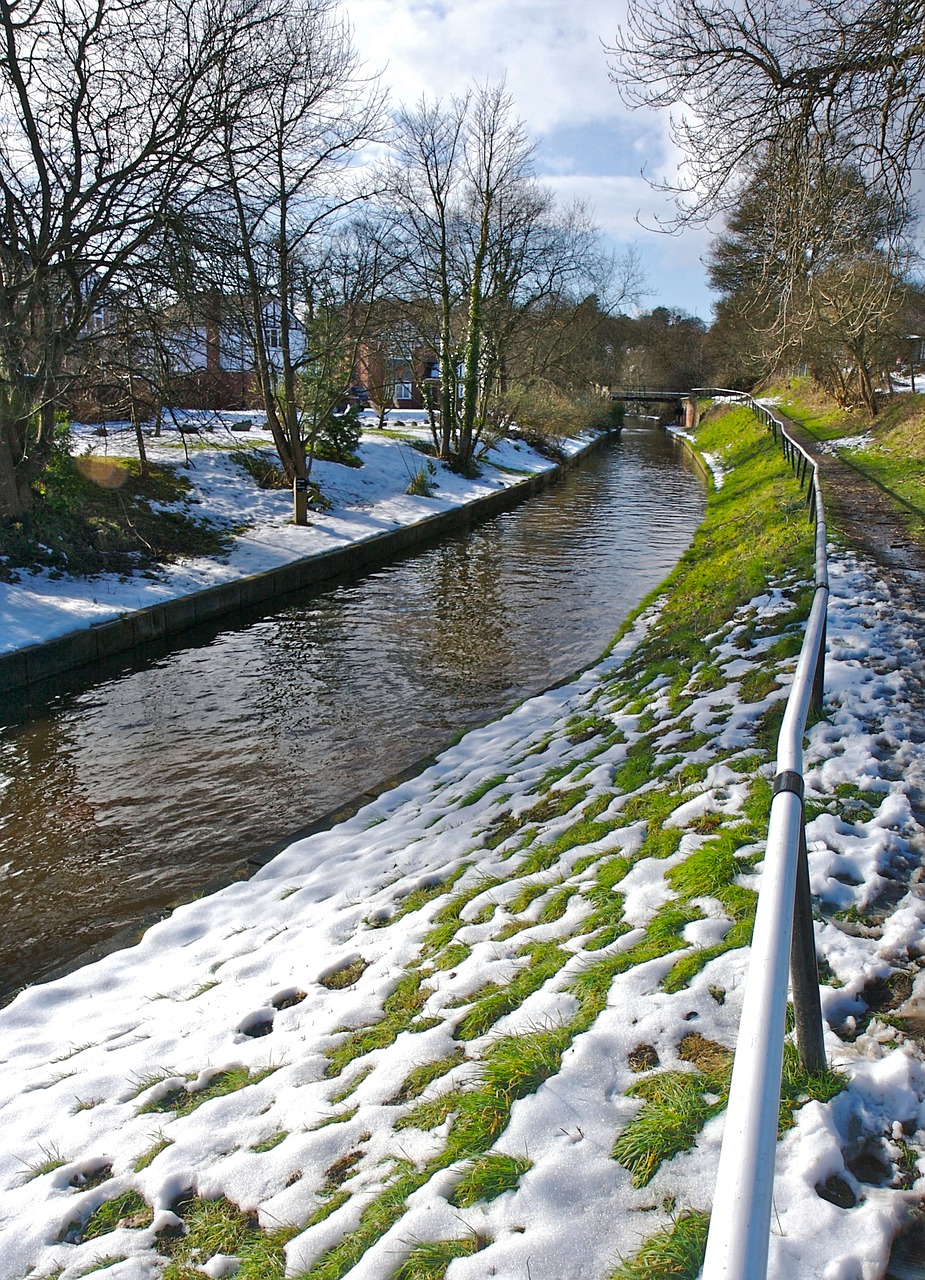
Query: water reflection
{"x":131,"y":796}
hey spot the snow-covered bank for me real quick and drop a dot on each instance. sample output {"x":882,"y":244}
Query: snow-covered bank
{"x":373,"y":978}
{"x":365,"y":501}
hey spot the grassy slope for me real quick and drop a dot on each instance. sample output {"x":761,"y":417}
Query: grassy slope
{"x":894,"y":452}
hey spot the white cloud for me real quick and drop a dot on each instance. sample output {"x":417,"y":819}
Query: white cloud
{"x":552,"y":54}
{"x":554,"y":61}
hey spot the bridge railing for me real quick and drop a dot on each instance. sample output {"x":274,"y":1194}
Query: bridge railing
{"x":646,"y":393}
{"x":782,"y":941}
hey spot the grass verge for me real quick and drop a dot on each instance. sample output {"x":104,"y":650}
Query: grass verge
{"x":101,"y":515}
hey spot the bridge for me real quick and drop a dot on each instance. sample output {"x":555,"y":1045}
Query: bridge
{"x":643,"y":393}
{"x":685,"y":402}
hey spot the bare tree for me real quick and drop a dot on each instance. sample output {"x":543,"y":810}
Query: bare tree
{"x":429,"y":149}
{"x":746,"y":78}
{"x":810,"y":266}
{"x":107,"y":107}
{"x":486,"y":249}
{"x":284,"y":163}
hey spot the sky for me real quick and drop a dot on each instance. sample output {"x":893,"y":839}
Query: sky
{"x":554,"y":61}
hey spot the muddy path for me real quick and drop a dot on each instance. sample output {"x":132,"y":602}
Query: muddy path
{"x":878,"y":525}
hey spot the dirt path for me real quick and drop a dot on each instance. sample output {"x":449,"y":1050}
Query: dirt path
{"x":869,"y":519}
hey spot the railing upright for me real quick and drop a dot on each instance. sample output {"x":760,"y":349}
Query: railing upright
{"x":783,"y":946}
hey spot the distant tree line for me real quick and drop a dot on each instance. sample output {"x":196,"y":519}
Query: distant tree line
{"x":803,"y":123}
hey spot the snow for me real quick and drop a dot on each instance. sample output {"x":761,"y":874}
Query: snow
{"x":863,"y":440}
{"x":713,"y":462}
{"x":89,"y":1063}
{"x":366,"y":501}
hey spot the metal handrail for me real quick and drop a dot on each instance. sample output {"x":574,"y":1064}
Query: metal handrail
{"x":782,"y":944}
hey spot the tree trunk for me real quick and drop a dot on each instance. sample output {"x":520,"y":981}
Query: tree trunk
{"x":290,"y":410}
{"x":16,"y":495}
{"x":868,"y":394}
{"x":472,"y":352}
{"x":140,"y":440}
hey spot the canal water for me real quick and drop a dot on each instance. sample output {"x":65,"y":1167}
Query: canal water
{"x":127,"y":798}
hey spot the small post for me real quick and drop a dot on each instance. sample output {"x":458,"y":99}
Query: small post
{"x":300,"y":500}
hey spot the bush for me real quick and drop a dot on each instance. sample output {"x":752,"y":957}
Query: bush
{"x":544,"y":415}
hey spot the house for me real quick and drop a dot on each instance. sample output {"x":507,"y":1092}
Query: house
{"x":198,"y":355}
{"x":213,"y":354}
{"x":397,"y":368}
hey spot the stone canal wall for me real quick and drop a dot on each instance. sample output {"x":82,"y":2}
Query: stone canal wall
{"x":42,"y":662}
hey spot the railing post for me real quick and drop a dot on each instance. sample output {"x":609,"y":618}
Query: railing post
{"x":819,"y":674}
{"x":804,"y":973}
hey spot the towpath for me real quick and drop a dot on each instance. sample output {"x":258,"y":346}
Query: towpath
{"x":871,"y":519}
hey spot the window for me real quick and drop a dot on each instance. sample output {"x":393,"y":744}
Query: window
{"x":403,"y":390}
{"x":271,"y":333}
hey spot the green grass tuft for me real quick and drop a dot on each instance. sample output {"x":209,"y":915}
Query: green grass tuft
{"x":50,"y":1159}
{"x":328,"y":1206}
{"x":352,"y":1084}
{"x":489,"y":1178}
{"x":674,"y":1253}
{"x":183,"y":1101}
{"x":429,"y":1260}
{"x":432,"y":1113}
{"x":161,"y":1144}
{"x":675,"y":1111}
{"x":401,"y":1006}
{"x":418,"y":898}
{"x":127,"y":1210}
{"x":492,"y":1002}
{"x":218,"y":1226}
{"x":758,"y":684}
{"x":339,"y":1117}
{"x":346,"y":976}
{"x":677,"y":1105}
{"x":452,"y":956}
{"x":554,"y":805}
{"x":417,"y":1080}
{"x":711,"y":867}
{"x":481,"y":790}
{"x":799,"y":1086}
{"x":274,"y":1139}
{"x":376,"y":1219}
{"x":449,"y":918}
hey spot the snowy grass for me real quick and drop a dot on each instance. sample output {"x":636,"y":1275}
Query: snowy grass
{"x":673,"y":1253}
{"x":519,"y":976}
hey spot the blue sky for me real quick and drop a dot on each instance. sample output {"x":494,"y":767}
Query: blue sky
{"x":589,"y":145}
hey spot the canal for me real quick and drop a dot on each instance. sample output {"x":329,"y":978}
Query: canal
{"x":124,"y":799}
